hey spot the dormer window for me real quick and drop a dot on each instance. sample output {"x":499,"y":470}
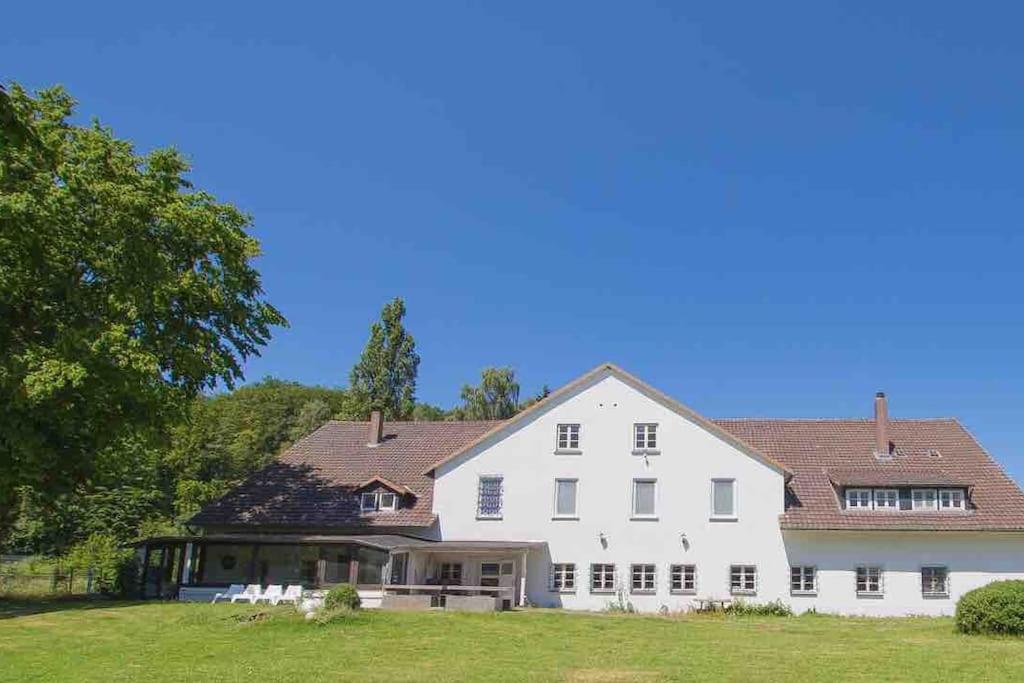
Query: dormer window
{"x":924,"y":499}
{"x":951,"y":499}
{"x":568,"y":438}
{"x":645,"y":438}
{"x":378,"y":501}
{"x":858,"y":499}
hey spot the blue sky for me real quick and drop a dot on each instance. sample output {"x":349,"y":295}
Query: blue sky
{"x":763,"y":209}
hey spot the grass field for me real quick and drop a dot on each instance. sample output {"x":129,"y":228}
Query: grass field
{"x":102,"y":641}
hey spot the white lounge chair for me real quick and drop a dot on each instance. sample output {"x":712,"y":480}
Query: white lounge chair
{"x":233,"y":590}
{"x":292,"y":594}
{"x":273,"y":593}
{"x":252,"y":593}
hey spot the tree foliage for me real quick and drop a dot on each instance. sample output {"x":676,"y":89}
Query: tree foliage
{"x":124,"y":292}
{"x":385,"y":377}
{"x":495,"y":398}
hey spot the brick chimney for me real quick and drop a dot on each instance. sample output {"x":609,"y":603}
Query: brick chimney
{"x":882,"y":449}
{"x":376,"y":428}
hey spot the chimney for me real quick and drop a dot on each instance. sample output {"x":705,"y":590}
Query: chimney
{"x":376,"y":428}
{"x":882,"y":449}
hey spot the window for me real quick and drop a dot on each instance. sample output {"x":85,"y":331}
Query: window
{"x":803,"y":580}
{"x":602,"y":578}
{"x":644,"y":493}
{"x":645,"y":438}
{"x":568,"y":437}
{"x":951,"y":499}
{"x":858,"y":499}
{"x":683,"y":578}
{"x":924,"y":499}
{"x":742,"y":579}
{"x":642,"y":580}
{"x":489,"y":498}
{"x":869,"y":580}
{"x":563,"y":577}
{"x":451,"y":573}
{"x":723,"y":498}
{"x":934,"y":582}
{"x":887,"y":499}
{"x":565,"y":498}
{"x":380,"y":501}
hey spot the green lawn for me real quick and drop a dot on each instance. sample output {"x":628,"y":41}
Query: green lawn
{"x":171,"y":641}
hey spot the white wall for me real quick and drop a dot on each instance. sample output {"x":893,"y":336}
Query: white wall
{"x":972,"y":559}
{"x":690,"y":457}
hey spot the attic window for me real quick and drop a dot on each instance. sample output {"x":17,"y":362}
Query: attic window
{"x":380,"y":501}
{"x":934,"y":453}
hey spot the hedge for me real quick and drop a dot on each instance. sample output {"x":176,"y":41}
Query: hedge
{"x":995,"y":608}
{"x":342,"y":596}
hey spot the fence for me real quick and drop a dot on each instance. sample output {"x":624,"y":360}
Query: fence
{"x":57,"y":581}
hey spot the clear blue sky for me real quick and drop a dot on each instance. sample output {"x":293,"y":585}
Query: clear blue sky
{"x":763,"y":209}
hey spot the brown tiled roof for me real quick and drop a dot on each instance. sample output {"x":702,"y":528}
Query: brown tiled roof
{"x":826,"y":454}
{"x":312,"y":484}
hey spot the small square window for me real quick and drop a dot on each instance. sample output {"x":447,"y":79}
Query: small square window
{"x":858,"y":499}
{"x":568,"y":437}
{"x":645,"y":438}
{"x":803,"y":580}
{"x":683,"y":578}
{"x":563,"y":577}
{"x":368,"y":502}
{"x":644,"y":494}
{"x":743,"y":579}
{"x":387,"y":500}
{"x":887,"y":499}
{"x":869,"y":580}
{"x":934,"y":582}
{"x":602,"y":578}
{"x":642,"y":578}
{"x":923,"y":499}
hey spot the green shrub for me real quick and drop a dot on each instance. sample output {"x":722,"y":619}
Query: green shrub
{"x":775,"y":608}
{"x":342,"y":596}
{"x":995,"y":608}
{"x":325,"y":616}
{"x":113,"y":568}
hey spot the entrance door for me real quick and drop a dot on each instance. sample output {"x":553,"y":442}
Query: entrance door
{"x":500,"y":574}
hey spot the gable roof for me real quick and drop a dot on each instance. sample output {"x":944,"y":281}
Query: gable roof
{"x":397,"y":488}
{"x":825,"y":455}
{"x":612,"y":370}
{"x":312,"y":485}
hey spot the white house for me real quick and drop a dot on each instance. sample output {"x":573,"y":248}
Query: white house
{"x":610,"y":492}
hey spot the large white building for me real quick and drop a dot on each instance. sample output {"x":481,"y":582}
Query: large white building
{"x":610,"y":492}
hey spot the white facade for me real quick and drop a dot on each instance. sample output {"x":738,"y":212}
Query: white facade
{"x":689,"y":455}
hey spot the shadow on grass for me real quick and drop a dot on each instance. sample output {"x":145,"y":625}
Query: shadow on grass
{"x":13,"y":607}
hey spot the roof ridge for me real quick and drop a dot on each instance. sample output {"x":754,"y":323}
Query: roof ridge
{"x":833,"y":419}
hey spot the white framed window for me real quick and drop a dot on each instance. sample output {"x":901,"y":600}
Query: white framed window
{"x":645,"y":437}
{"x":935,"y":582}
{"x":645,"y":492}
{"x":743,"y":579}
{"x":642,"y":578}
{"x":450,"y":573}
{"x":567,"y":438}
{"x":923,"y":499}
{"x":858,"y":499}
{"x":803,"y":580}
{"x":602,"y":578}
{"x":563,"y":577}
{"x":887,"y":499}
{"x":488,"y":500}
{"x":566,"y":494}
{"x":951,"y":499}
{"x":723,"y":498}
{"x":683,"y":578}
{"x":869,"y":581}
{"x":382,"y":501}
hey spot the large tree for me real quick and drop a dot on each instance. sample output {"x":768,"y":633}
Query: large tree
{"x":385,"y":377}
{"x":124,"y":292}
{"x":495,"y":398}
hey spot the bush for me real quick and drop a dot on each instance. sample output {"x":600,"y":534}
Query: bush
{"x":343,"y":596}
{"x":775,"y":608}
{"x":995,"y":608}
{"x":113,"y":567}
